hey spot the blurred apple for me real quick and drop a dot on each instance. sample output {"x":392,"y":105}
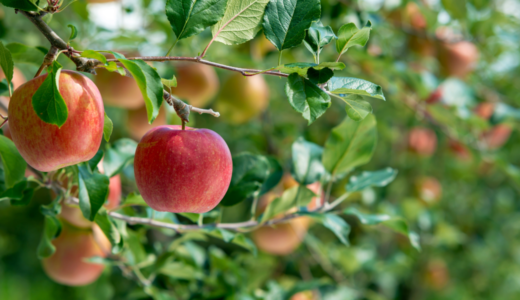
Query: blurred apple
{"x":137,"y":122}
{"x":485,"y":110}
{"x":117,"y":90}
{"x":422,"y":141}
{"x":429,"y":190}
{"x":460,"y":151}
{"x":284,"y":238}
{"x":73,"y":246}
{"x":497,"y":136}
{"x":437,"y":275}
{"x":307,"y":295}
{"x":261,"y":46}
{"x":435,"y":96}
{"x":457,"y":59}
{"x":196,"y":83}
{"x":242,"y":98}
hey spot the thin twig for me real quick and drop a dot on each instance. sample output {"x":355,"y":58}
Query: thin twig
{"x":243,"y":71}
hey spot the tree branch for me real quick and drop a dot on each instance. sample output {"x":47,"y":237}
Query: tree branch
{"x":243,"y":71}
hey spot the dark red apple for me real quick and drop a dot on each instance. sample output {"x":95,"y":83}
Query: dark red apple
{"x":182,"y":170}
{"x":422,"y":141}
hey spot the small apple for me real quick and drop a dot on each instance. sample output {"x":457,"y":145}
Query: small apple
{"x":497,"y":136}
{"x":460,"y":151}
{"x":182,"y":170}
{"x":196,"y":83}
{"x":45,"y":146}
{"x":429,"y":190}
{"x":67,"y":265}
{"x":437,"y":274}
{"x":457,"y":59}
{"x":137,"y":122}
{"x":117,"y":90}
{"x":242,"y":98}
{"x":306,"y":295}
{"x":485,"y":110}
{"x":284,"y":238}
{"x":435,"y":96}
{"x":422,"y":141}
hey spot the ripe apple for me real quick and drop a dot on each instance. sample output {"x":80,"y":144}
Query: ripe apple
{"x":284,"y":238}
{"x":67,"y":265}
{"x":242,"y":98}
{"x":45,"y":146}
{"x":485,"y":110}
{"x":307,"y":295}
{"x":497,"y":136}
{"x":457,"y":59}
{"x":429,"y":189}
{"x":435,"y":96}
{"x":137,"y":122}
{"x":182,"y":170}
{"x":422,"y":141}
{"x":196,"y":83}
{"x":460,"y":151}
{"x":437,"y":274}
{"x":118,"y":90}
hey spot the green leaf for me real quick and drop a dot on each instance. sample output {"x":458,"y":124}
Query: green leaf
{"x":24,"y":54}
{"x":355,"y":86}
{"x":275,"y":175}
{"x":225,"y":235}
{"x":319,"y":76}
{"x":7,"y":63}
{"x":95,"y":55}
{"x":26,"y":5}
{"x":357,"y":108}
{"x":306,"y":162}
{"x":245,"y":242}
{"x":190,"y":17}
{"x":15,"y":192}
{"x":302,"y":68}
{"x":149,"y":83}
{"x":73,"y":32}
{"x":110,"y":230}
{"x":27,"y":195}
{"x":241,"y":22}
{"x":134,"y":199}
{"x":295,"y":196}
{"x":367,"y":219}
{"x":93,"y":191}
{"x":169,"y":83}
{"x":94,"y":161}
{"x":4,"y":88}
{"x":349,"y":35}
{"x":118,"y":155}
{"x":306,"y":97}
{"x":456,"y":9}
{"x":51,"y":229}
{"x":13,"y":162}
{"x":250,"y":172}
{"x":47,"y":102}
{"x":350,"y":145}
{"x":318,"y":36}
{"x":335,"y":223}
{"x":107,"y":128}
{"x":285,"y":21}
{"x":368,"y":179}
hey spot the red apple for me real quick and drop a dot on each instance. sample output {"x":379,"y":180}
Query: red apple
{"x":435,"y":96}
{"x":67,"y":265}
{"x":460,"y":151}
{"x":182,"y":170}
{"x":422,"y":141}
{"x":45,"y":146}
{"x":457,"y":59}
{"x":497,"y":136}
{"x":485,"y":110}
{"x":429,"y":189}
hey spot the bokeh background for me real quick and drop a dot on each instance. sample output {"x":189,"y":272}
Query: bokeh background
{"x":450,"y":73}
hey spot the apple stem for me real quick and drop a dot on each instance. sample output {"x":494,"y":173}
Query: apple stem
{"x":183,"y":125}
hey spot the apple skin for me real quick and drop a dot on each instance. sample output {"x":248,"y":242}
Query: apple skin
{"x":137,"y":122}
{"x":118,"y":90}
{"x":196,"y":83}
{"x":73,"y":246}
{"x":422,"y":141}
{"x":45,"y":146}
{"x":485,"y":110}
{"x":182,"y":170}
{"x":242,"y":98}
